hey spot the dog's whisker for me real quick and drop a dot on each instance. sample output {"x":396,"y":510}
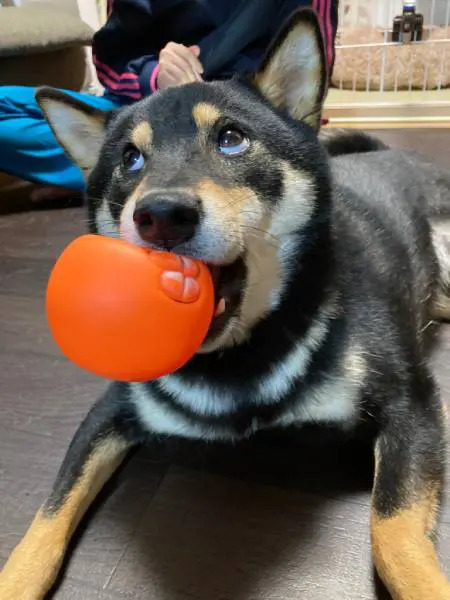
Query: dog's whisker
{"x":262,"y":234}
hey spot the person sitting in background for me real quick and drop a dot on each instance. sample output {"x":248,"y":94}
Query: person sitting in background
{"x":146,"y":46}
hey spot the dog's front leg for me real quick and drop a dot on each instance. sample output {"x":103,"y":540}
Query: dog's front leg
{"x":97,"y":449}
{"x":409,"y":470}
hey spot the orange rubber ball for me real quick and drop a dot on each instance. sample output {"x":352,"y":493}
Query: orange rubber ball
{"x":125,"y":312}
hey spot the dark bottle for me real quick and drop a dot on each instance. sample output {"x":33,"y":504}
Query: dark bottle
{"x":408,"y":27}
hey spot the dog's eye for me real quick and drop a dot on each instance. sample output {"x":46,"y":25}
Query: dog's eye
{"x":132,"y":158}
{"x":232,"y":141}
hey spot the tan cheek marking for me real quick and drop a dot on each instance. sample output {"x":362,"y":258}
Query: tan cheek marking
{"x":264,"y":267}
{"x":405,"y":557}
{"x":139,"y":191}
{"x":142,"y":136}
{"x":263,"y":276}
{"x":205,"y":114}
{"x":34,"y":564}
{"x":234,"y":209}
{"x":297,"y":203}
{"x":225,"y":203}
{"x":127,"y":228}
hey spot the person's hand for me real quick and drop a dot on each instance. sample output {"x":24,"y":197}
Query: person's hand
{"x":178,"y":64}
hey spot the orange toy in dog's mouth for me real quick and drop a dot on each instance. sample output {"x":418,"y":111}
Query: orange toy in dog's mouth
{"x":128,"y":313}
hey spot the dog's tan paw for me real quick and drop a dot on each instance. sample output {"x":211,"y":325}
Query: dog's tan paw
{"x":18,"y":590}
{"x":29,"y":574}
{"x":18,"y":585}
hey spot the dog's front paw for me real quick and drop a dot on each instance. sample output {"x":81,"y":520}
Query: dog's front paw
{"x":11,"y":589}
{"x":19,"y":585}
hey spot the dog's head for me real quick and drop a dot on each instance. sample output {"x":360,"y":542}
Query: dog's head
{"x":227,"y":172}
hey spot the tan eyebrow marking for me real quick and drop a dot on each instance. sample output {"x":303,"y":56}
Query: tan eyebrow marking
{"x":205,"y":114}
{"x":142,"y":136}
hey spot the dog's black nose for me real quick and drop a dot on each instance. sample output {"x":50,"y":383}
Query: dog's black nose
{"x":166,"y":221}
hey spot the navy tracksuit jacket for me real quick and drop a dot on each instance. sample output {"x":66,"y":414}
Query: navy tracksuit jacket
{"x":232,"y":36}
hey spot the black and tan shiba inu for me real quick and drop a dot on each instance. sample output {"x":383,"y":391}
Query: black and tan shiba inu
{"x":327,"y":272}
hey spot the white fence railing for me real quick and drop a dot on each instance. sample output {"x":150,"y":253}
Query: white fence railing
{"x":377,"y":79}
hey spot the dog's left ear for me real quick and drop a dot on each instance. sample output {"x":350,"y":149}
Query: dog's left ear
{"x":78,"y":127}
{"x":293,"y":75}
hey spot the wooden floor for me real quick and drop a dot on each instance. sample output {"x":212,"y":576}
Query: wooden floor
{"x":280,"y":520}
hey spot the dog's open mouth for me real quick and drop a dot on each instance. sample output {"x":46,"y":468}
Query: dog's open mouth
{"x":228,"y":289}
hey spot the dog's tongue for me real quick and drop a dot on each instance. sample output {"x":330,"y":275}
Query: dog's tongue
{"x":221,"y":303}
{"x":220,"y":308}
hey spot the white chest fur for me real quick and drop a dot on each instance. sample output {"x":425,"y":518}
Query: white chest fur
{"x":334,"y":399}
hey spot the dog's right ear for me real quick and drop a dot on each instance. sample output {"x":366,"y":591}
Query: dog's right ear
{"x":293,"y":75}
{"x":78,"y":127}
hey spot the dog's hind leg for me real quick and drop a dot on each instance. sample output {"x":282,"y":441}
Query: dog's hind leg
{"x":441,"y":243}
{"x":409,"y":470}
{"x":96,"y":451}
